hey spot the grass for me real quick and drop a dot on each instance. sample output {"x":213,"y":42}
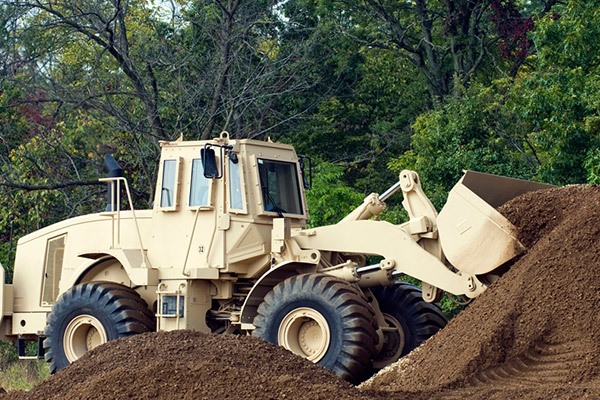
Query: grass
{"x":20,"y":374}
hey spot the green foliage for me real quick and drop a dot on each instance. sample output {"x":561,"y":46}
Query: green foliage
{"x":54,"y":155}
{"x":24,"y":375}
{"x":566,"y":37}
{"x":472,"y":132}
{"x":558,"y":102}
{"x":366,"y":120}
{"x":448,"y":304}
{"x":541,"y":126}
{"x":16,"y":374}
{"x":330,"y":199}
{"x":551,"y":106}
{"x":46,"y":154}
{"x":592,"y":166}
{"x":8,"y":354}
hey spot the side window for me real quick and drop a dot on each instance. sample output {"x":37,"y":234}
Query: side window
{"x":168,"y":191}
{"x":55,"y":250}
{"x":200,"y":186}
{"x":236,"y":201}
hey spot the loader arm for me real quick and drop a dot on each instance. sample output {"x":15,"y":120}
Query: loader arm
{"x":422,"y":224}
{"x":396,"y":246}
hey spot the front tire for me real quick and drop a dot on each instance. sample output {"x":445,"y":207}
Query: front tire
{"x":91,"y":314}
{"x":412,"y":321}
{"x":323,"y":319}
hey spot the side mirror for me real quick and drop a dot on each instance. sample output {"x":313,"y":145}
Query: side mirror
{"x":209,"y":163}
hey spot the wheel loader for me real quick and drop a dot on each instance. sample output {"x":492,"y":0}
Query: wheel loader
{"x":226,"y":249}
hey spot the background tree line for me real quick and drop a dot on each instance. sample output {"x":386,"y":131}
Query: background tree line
{"x":364,"y":87}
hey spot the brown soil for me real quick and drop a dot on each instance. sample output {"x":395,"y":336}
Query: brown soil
{"x":534,"y":334}
{"x":181,"y":365}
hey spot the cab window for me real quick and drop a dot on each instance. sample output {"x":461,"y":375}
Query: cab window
{"x":280,"y":187}
{"x":200,"y":185}
{"x":168,"y":193}
{"x":236,"y":201}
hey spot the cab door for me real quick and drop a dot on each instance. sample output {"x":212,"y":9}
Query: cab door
{"x":184,"y":218}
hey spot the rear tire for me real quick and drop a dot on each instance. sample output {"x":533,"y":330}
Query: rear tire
{"x":415,"y":321}
{"x":323,"y":319}
{"x":91,"y":314}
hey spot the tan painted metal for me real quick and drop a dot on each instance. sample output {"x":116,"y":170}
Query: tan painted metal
{"x":83,"y":333}
{"x":393,"y":243}
{"x":27,"y":323}
{"x":474,"y":236}
{"x":6,"y":304}
{"x":305,"y":332}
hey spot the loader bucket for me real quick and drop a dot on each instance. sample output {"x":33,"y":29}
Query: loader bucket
{"x":475,"y":238}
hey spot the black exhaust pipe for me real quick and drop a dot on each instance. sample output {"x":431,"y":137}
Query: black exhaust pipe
{"x":114,"y":170}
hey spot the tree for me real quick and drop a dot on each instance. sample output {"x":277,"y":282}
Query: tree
{"x":542,"y":124}
{"x":443,"y":40}
{"x":214,"y":66}
{"x":243,"y":67}
{"x":358,"y":114}
{"x":558,"y":102}
{"x":475,"y":132}
{"x":101,"y":30}
{"x":330,"y":199}
{"x":449,"y":42}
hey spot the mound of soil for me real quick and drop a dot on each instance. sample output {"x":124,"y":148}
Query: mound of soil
{"x":182,"y":365}
{"x":536,"y":332}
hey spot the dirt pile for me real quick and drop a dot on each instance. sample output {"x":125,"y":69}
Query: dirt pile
{"x":536,"y":332}
{"x":183,"y":365}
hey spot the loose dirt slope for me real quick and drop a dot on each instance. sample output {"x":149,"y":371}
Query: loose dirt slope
{"x":536,"y":332}
{"x":190,"y":365}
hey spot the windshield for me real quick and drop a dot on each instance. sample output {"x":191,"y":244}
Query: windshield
{"x":279,"y":187}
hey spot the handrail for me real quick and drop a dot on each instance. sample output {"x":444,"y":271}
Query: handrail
{"x":161,"y":291}
{"x":116,"y":200}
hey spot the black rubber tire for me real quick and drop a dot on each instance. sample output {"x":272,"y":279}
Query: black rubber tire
{"x":419,"y":319}
{"x":350,"y":321}
{"x":119,"y":309}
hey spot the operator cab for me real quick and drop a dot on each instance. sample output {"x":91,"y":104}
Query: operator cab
{"x":275,"y":169}
{"x":216,"y":202}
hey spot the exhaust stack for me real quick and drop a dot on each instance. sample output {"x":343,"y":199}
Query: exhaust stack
{"x":114,"y":171}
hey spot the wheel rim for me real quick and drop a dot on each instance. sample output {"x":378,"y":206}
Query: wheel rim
{"x":393,"y":343}
{"x":83,"y":333}
{"x":305,"y":332}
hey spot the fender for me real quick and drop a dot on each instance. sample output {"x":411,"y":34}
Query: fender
{"x":137,"y":271}
{"x":266,"y":283}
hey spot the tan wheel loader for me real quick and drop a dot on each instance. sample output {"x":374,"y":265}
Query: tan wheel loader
{"x":225,"y":249}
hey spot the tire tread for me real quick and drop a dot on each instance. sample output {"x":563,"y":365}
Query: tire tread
{"x":123,"y":305}
{"x":358,"y":327}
